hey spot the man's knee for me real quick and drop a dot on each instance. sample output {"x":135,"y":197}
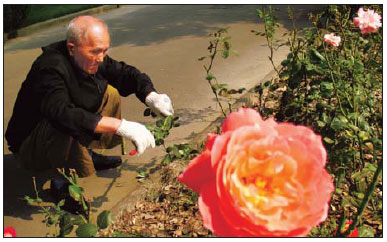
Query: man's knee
{"x":113,"y":94}
{"x":111,"y":103}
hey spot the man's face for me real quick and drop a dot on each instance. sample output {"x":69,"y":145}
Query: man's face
{"x":89,"y":52}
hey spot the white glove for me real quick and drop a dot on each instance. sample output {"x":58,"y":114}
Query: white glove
{"x":159,"y":103}
{"x":138,"y":133}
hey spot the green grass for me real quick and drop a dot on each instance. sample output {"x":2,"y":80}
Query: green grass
{"x":42,"y":12}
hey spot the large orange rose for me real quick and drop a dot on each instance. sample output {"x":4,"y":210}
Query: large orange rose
{"x":260,"y":178}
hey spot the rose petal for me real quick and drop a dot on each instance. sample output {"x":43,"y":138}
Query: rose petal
{"x":312,"y":142}
{"x":219,"y":149}
{"x":199,"y":165}
{"x":243,"y":117}
{"x":209,"y":209}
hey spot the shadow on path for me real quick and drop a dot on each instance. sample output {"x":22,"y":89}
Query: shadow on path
{"x":157,"y":23}
{"x":17,"y":184}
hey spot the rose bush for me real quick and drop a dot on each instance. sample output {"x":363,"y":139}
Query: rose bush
{"x":260,"y":178}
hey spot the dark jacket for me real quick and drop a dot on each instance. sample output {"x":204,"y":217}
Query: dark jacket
{"x":57,"y":90}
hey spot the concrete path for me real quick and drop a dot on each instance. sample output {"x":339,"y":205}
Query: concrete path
{"x":165,"y":42}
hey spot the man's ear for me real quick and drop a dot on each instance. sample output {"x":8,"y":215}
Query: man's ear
{"x":70,"y":48}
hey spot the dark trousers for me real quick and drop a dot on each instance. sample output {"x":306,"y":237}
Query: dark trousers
{"x":48,"y":148}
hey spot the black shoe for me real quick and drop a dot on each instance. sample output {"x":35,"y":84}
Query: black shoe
{"x":103,"y":162}
{"x":59,"y":189}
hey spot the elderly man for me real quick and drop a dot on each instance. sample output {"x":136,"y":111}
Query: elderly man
{"x":70,"y":104}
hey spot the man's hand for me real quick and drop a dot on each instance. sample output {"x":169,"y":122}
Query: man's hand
{"x":138,"y":133}
{"x":159,"y":103}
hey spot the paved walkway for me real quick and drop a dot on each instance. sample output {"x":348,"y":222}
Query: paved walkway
{"x":165,"y":42}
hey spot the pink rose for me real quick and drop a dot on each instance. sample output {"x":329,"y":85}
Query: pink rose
{"x":368,"y":21}
{"x":332,"y":39}
{"x":260,"y":178}
{"x":9,"y":232}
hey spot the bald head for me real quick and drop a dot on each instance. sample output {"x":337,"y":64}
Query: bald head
{"x":83,"y":28}
{"x":88,"y":41}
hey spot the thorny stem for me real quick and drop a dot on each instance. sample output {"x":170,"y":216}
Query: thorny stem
{"x":341,"y":225}
{"x":35,"y":189}
{"x":334,"y":84}
{"x":209,"y":81}
{"x":361,"y":150}
{"x":270,"y":39}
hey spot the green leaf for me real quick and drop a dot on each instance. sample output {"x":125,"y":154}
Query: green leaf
{"x":318,"y":55}
{"x":29,"y":200}
{"x":328,"y":140}
{"x":61,"y":203}
{"x":336,"y":124}
{"x":78,"y":221}
{"x":320,"y":123}
{"x":168,"y":122}
{"x":50,"y":220}
{"x":142,"y":174}
{"x":325,"y":86}
{"x":366,"y":232}
{"x":225,"y":53}
{"x":86,"y":230}
{"x":75,"y":178}
{"x":359,"y":66}
{"x":159,"y":142}
{"x":158,"y":134}
{"x":370,"y":167}
{"x":345,"y":202}
{"x":104,"y":219}
{"x":149,"y":127}
{"x":177,"y":153}
{"x":285,"y":62}
{"x":209,"y":77}
{"x":342,"y":119}
{"x":356,"y":175}
{"x":363,"y":135}
{"x":359,"y":195}
{"x":167,"y":159}
{"x":219,"y":86}
{"x":65,"y":225}
{"x":159,"y":123}
{"x":75,"y":192}
{"x":353,"y":127}
{"x":353,"y":116}
{"x":355,"y":202}
{"x":352,"y":60}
